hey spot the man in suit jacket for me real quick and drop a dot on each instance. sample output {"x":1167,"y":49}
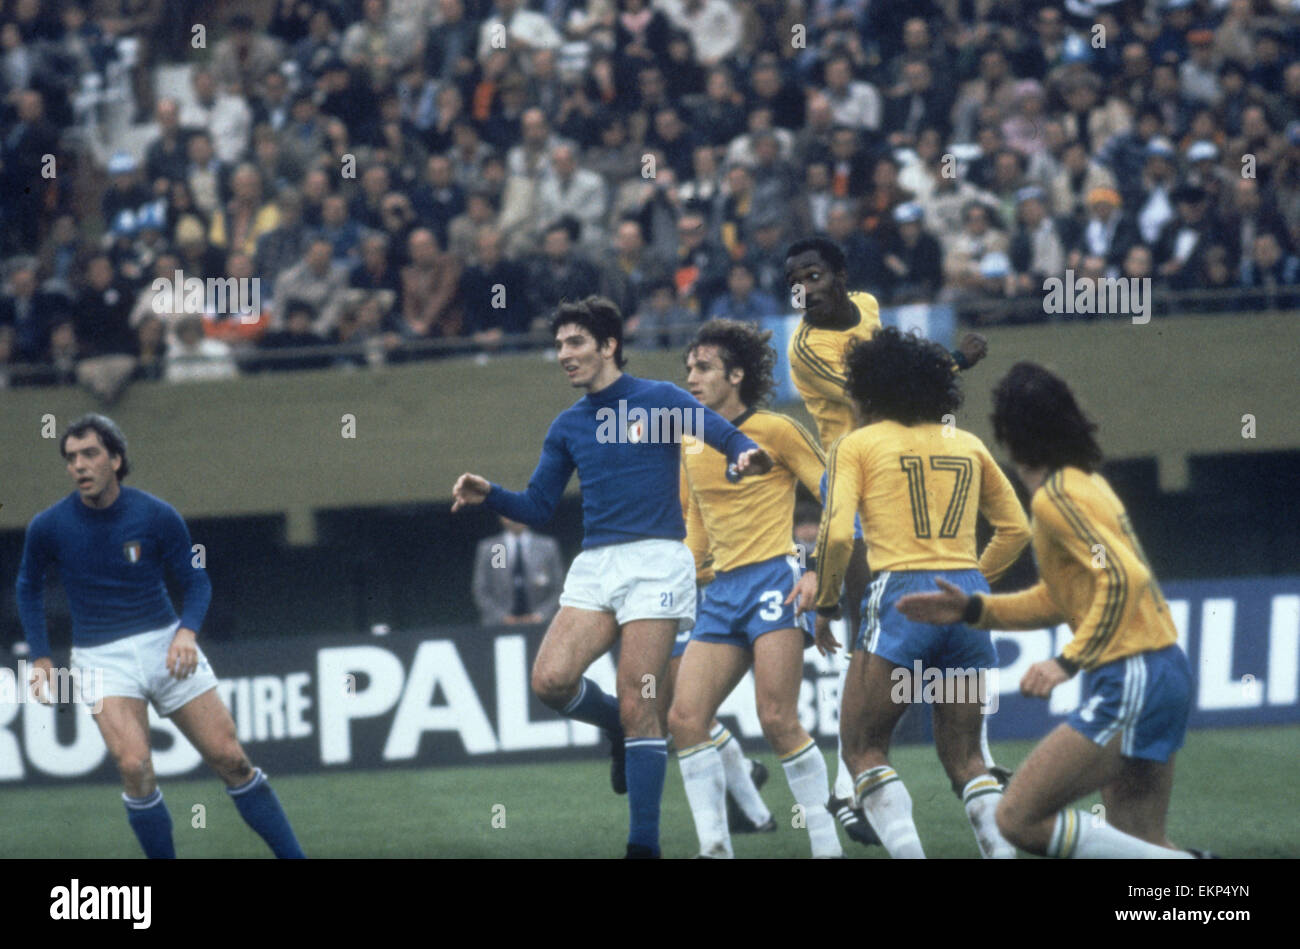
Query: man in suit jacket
{"x":518,"y":576}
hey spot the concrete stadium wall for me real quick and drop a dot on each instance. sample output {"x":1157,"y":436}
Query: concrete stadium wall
{"x":273,"y":444}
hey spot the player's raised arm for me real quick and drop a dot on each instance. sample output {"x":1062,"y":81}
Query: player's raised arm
{"x":36,"y":561}
{"x":536,"y":504}
{"x":972,"y":348}
{"x":998,"y":503}
{"x":737,"y":447}
{"x":835,"y":539}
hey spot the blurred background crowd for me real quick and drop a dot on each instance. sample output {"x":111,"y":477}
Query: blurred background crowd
{"x":408,"y":179}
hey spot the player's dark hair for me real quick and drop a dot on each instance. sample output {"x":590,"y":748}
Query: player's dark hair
{"x":742,"y":346}
{"x":827,"y":249}
{"x":1036,"y":416}
{"x":902,"y":377}
{"x":599,"y":316}
{"x":112,"y":437}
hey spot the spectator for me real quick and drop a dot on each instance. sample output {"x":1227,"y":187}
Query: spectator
{"x":206,"y":175}
{"x":378,"y":43}
{"x":244,"y":58}
{"x":1037,"y":250}
{"x":285,"y":244}
{"x":462,"y":232}
{"x":102,"y":322}
{"x":494,"y":292}
{"x":864,"y":259}
{"x":273,"y":104}
{"x":558,"y":273}
{"x":854,"y":104}
{"x":246,"y":216}
{"x":1080,"y":175}
{"x":913,"y":262}
{"x":629,"y":267}
{"x":1269,"y":277}
{"x":375,"y":270}
{"x":965,"y":274}
{"x":920,"y":103}
{"x":566,"y":189}
{"x":225,"y":117}
{"x":700,"y":271}
{"x":429,"y":303}
{"x":195,"y":358}
{"x":671,"y":136}
{"x":341,"y":230}
{"x":22,"y":152}
{"x":366,"y":205}
{"x":1105,"y":232}
{"x":718,"y":113}
{"x":742,"y":301}
{"x":450,"y":46}
{"x":316,"y":280}
{"x":165,"y":159}
{"x":303,"y":137}
{"x":518,"y":576}
{"x":660,"y":321}
{"x":514,"y":24}
{"x":296,"y":334}
{"x":1184,"y":238}
{"x":126,"y":192}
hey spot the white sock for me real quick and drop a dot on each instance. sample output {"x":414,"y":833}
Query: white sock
{"x":1080,"y":836}
{"x":740,"y":778}
{"x":706,"y":792}
{"x":984,"y":742}
{"x":981,"y":796}
{"x":843,"y":775}
{"x":888,"y":806}
{"x":805,"y":769}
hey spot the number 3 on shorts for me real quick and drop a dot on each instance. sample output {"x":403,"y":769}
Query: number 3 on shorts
{"x":772,"y":601}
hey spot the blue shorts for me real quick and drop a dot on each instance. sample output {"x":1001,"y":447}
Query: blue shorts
{"x":1146,"y":699}
{"x":857,"y":518}
{"x":891,"y":635}
{"x":742,"y":604}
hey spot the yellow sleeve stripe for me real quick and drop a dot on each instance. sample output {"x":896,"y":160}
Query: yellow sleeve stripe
{"x":828,"y":513}
{"x":803,"y":433}
{"x":816,"y":364}
{"x":1117,"y":595}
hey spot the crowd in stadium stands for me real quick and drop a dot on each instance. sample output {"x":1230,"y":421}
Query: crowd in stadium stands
{"x":395,"y":171}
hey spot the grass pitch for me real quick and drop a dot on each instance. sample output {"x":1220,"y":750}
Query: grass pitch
{"x":1237,"y":792}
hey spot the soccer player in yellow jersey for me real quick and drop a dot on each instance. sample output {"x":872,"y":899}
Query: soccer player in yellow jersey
{"x":917,"y":484}
{"x":744,"y":616}
{"x":1137,"y":681}
{"x":834,"y":317}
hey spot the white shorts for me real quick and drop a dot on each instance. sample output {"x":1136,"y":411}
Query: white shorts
{"x":642,"y":579}
{"x":136,"y":667}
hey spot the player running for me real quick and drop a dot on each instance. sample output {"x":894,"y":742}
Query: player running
{"x":1094,"y":576}
{"x":634,"y":579}
{"x":910,"y":478}
{"x":834,"y":317}
{"x":111,"y":546}
{"x":744,"y":618}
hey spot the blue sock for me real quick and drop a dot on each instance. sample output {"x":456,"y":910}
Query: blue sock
{"x":152,"y":824}
{"x":594,"y":707}
{"x":261,"y":810}
{"x":647,"y":762}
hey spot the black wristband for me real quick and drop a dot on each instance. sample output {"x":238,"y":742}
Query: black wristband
{"x":830,"y":612}
{"x":960,"y":359}
{"x":1069,"y":665}
{"x":974,"y":607}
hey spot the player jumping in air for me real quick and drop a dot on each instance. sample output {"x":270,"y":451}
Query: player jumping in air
{"x":1137,"y":681}
{"x":635,"y":578}
{"x":111,"y":546}
{"x":744,"y":618}
{"x":917,"y":485}
{"x":833,"y":317}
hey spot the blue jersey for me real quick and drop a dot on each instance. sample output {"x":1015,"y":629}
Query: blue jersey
{"x":625,"y":441}
{"x":112,"y":563}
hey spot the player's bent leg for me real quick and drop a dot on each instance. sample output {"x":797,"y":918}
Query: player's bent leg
{"x":870,"y":715}
{"x":1137,"y":800}
{"x":708,"y":673}
{"x":1035,"y":814}
{"x":642,"y":664}
{"x":124,"y":723}
{"x":958,"y":739}
{"x":574,"y":640}
{"x":206,"y":722}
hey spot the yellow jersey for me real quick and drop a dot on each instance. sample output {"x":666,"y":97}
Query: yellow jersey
{"x":1094,"y":576}
{"x":911,"y":485}
{"x":817,"y":368}
{"x":751,"y":520}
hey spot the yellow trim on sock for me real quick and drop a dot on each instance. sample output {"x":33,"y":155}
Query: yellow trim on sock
{"x":873,"y":779}
{"x":798,"y":751}
{"x":694,"y":749}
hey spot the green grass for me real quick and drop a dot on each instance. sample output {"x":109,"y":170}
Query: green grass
{"x":1237,"y":792}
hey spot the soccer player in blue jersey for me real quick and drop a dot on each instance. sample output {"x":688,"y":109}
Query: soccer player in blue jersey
{"x":635,"y":578}
{"x":112,"y":546}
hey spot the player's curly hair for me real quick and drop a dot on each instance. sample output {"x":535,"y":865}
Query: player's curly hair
{"x":112,"y":437}
{"x":1036,"y":416}
{"x":742,"y":346}
{"x":829,"y":250}
{"x":599,"y":316}
{"x":902,"y":377}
